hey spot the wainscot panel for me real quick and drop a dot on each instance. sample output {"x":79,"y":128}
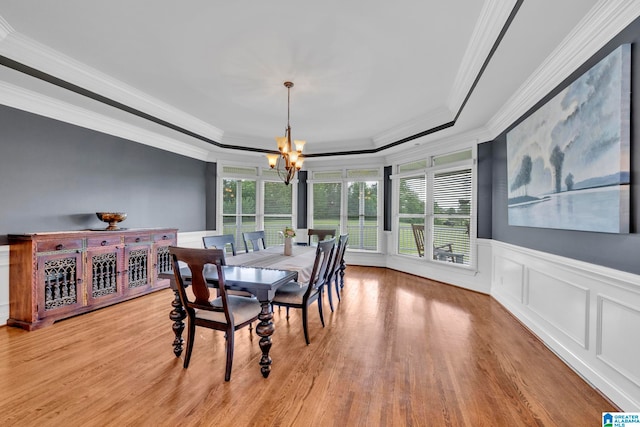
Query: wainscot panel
{"x":563,"y":304}
{"x":587,"y":314}
{"x":511,"y":275}
{"x":620,"y":351}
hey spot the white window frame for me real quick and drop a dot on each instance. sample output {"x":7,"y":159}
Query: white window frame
{"x":260,"y":177}
{"x":429,"y":173}
{"x":344,"y":180}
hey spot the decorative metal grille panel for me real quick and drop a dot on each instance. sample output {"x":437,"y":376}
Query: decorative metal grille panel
{"x":164,"y":260}
{"x":60,"y":283}
{"x":104,"y":274}
{"x":138,"y":268}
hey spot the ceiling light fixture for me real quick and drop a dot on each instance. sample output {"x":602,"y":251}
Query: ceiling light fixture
{"x":288,"y":161}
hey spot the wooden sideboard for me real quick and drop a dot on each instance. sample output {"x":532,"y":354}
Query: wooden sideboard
{"x":60,"y":274}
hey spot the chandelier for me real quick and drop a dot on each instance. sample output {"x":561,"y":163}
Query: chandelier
{"x":288,"y":161}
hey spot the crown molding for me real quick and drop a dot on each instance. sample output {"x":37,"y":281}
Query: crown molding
{"x":493,"y":17}
{"x":259,"y":142}
{"x":603,"y":22}
{"x":455,"y":142}
{"x":33,"y":102}
{"x":413,"y":126}
{"x":40,"y":57}
{"x":5,"y":29}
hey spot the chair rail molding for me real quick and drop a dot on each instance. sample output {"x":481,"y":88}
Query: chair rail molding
{"x":582,"y":312}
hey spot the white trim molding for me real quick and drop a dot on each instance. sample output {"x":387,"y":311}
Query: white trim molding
{"x":587,"y":314}
{"x":493,"y":17}
{"x":37,"y":103}
{"x":41,"y":57}
{"x":603,"y":22}
{"x":4,"y":284}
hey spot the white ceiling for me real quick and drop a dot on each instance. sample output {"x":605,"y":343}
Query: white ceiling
{"x":367,"y":73}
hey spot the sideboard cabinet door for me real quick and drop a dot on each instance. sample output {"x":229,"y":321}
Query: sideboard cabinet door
{"x":137,"y":269}
{"x":59,"y":284}
{"x":104,"y":274}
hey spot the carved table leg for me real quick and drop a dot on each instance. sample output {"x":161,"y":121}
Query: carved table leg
{"x":177,"y":314}
{"x":265,"y":330}
{"x":342,"y":268}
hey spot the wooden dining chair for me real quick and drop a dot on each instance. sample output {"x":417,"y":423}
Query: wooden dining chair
{"x":300,"y":295}
{"x":320,"y":233}
{"x":418,"y":235}
{"x":334,"y":270}
{"x":440,"y":253}
{"x":226,"y":313}
{"x":220,"y":242}
{"x":255,"y":237}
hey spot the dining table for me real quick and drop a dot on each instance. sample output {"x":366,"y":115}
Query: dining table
{"x":260,"y":273}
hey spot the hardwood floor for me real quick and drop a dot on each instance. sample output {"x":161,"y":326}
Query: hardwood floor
{"x":399,"y":350}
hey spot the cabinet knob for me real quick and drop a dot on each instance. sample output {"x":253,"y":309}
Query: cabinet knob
{"x":103,"y":243}
{"x":137,"y":239}
{"x":59,"y":247}
{"x":164,"y":237}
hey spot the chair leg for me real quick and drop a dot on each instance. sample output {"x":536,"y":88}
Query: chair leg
{"x":337,"y":283}
{"x":230,"y":342}
{"x":330,"y":296}
{"x":320,"y":308}
{"x":287,"y":313}
{"x":305,"y":325}
{"x":191,"y":334}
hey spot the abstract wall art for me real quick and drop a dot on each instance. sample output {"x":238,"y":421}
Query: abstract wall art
{"x":568,"y":162}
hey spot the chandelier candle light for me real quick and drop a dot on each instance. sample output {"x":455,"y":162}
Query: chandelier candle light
{"x":288,"y":161}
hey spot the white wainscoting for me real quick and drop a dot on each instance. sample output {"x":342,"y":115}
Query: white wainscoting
{"x":192,"y":239}
{"x":4,"y":284}
{"x":587,"y":314}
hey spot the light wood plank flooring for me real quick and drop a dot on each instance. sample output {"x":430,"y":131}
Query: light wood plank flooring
{"x":399,"y":351}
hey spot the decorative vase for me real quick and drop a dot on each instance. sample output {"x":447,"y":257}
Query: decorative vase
{"x":287,"y":245}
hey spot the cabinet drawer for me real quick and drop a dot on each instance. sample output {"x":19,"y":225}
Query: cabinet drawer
{"x":59,"y":245}
{"x":164,"y":236}
{"x":137,"y":238}
{"x":92,"y":242}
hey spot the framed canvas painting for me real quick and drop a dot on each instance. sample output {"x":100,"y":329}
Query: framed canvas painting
{"x":568,"y":162}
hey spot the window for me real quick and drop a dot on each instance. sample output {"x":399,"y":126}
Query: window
{"x":412,"y":195}
{"x":238,"y":207}
{"x":278,"y":212}
{"x":437,"y":194}
{"x":347,"y":201}
{"x":452,"y":216}
{"x":327,"y":197}
{"x":255,"y":201}
{"x":362,"y":215}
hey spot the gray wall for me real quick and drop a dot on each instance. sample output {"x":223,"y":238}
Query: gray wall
{"x":54,"y":176}
{"x":619,"y":251}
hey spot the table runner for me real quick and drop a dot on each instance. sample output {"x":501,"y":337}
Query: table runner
{"x":301,"y":260}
